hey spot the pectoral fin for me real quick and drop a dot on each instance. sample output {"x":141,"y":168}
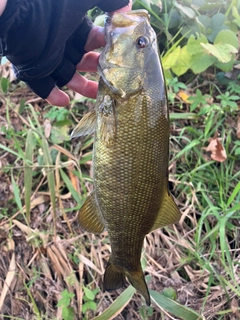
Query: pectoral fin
{"x":108,"y":121}
{"x":86,"y":125}
{"x":90,"y":217}
{"x":168,"y":213}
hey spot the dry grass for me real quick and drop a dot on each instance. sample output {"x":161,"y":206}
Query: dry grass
{"x":41,"y":258}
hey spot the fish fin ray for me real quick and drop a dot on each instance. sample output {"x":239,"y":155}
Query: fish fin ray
{"x":114,"y":277}
{"x":86,"y":125}
{"x":108,"y":120}
{"x":137,"y":280}
{"x":90,"y":217}
{"x":168,"y":213}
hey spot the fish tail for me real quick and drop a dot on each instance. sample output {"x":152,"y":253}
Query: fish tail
{"x":137,"y":280}
{"x":115,"y":278}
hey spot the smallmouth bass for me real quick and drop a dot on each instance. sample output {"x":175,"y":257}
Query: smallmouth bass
{"x":131,"y":148}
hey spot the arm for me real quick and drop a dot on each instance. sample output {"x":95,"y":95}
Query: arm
{"x":46,"y":40}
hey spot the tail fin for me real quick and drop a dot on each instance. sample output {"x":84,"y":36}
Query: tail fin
{"x":136,"y":278}
{"x":114,"y":278}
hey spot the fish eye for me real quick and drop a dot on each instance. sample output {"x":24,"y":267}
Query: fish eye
{"x":142,"y":42}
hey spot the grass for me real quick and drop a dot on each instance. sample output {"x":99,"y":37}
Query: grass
{"x":50,"y":269}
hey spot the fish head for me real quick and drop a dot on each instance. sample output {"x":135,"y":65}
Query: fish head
{"x":130,"y":44}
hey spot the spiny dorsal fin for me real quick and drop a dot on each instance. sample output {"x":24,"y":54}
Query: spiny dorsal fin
{"x":86,"y":125}
{"x":90,"y":217}
{"x":168,"y":213}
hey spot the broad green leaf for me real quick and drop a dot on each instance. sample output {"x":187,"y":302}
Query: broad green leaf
{"x":183,"y":62}
{"x":169,"y":60}
{"x":89,"y":294}
{"x":227,"y":66}
{"x":217,"y":24}
{"x":194,"y":45}
{"x":5,"y":84}
{"x":59,"y":134}
{"x":68,"y":313}
{"x":235,"y":13}
{"x":205,"y":22}
{"x":174,"y":307}
{"x":200,"y":60}
{"x":223,"y":52}
{"x":118,"y":305}
{"x":190,"y":13}
{"x":89,"y":305}
{"x":174,"y":18}
{"x":227,"y":37}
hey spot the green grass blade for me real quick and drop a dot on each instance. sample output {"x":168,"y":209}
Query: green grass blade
{"x":34,"y":305}
{"x":16,"y":193}
{"x":190,"y":146}
{"x":234,"y":193}
{"x":50,"y":174}
{"x":28,"y":173}
{"x":118,"y":305}
{"x":36,"y":120}
{"x":12,"y":152}
{"x":11,"y":317}
{"x":70,"y":187}
{"x":173,"y":307}
{"x":183,"y":116}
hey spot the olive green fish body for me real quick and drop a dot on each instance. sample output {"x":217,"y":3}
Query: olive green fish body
{"x":130,"y":158}
{"x":130,"y":174}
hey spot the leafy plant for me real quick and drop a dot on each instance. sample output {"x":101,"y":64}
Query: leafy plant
{"x":206,"y":38}
{"x":64,"y":303}
{"x":89,"y":303}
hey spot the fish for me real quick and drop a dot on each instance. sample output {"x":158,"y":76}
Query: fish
{"x":130,"y":122}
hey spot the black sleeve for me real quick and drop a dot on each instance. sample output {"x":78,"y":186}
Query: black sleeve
{"x":45,"y":39}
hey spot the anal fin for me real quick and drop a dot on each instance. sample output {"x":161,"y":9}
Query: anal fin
{"x":168,"y":213}
{"x":90,"y":217}
{"x":114,"y":277}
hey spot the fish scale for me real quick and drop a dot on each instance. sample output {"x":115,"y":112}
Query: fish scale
{"x":131,"y":148}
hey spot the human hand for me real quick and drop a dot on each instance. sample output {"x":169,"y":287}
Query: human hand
{"x":47,"y":43}
{"x":88,"y":63}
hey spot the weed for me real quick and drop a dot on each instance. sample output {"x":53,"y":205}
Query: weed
{"x":64,"y":303}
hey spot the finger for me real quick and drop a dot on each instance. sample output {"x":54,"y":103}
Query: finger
{"x":89,"y":62}
{"x":42,"y":87}
{"x":96,"y":39}
{"x":83,"y":86}
{"x":58,"y":98}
